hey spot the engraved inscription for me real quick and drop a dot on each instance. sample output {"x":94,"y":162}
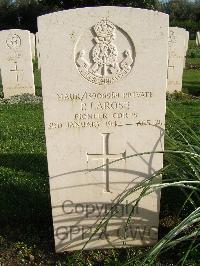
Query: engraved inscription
{"x":104,"y":66}
{"x":172,"y":38}
{"x":105,"y":109}
{"x":105,"y":156}
{"x":110,"y":95}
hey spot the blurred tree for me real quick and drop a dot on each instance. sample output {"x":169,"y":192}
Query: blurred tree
{"x":180,"y":9}
{"x":27,"y":12}
{"x":183,"y":13}
{"x":8,"y":18}
{"x":23,"y":13}
{"x":66,"y":4}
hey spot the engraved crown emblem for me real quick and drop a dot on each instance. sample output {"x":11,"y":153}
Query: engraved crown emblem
{"x":104,"y":28}
{"x":106,"y":64}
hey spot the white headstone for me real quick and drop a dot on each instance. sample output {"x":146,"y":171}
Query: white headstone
{"x":187,"y":37}
{"x":198,"y":38}
{"x":104,"y":76}
{"x":33,"y":45}
{"x":38,"y":49}
{"x":176,"y":61}
{"x":16,"y":62}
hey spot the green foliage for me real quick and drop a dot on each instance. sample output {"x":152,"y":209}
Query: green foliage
{"x":181,"y":9}
{"x":192,"y":44}
{"x":193,"y":63}
{"x":193,"y":53}
{"x":193,"y":50}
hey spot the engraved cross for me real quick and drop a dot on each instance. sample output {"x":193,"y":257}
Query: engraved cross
{"x":169,"y":64}
{"x":105,"y":156}
{"x":171,"y":67}
{"x":17,"y":71}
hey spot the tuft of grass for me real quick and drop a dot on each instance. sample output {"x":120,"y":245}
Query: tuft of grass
{"x":181,"y":182}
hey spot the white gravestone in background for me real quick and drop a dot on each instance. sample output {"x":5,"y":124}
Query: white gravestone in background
{"x":176,"y":61}
{"x":104,"y":77}
{"x":33,"y":45}
{"x":198,"y":39}
{"x":38,"y":49}
{"x":16,"y":62}
{"x":187,"y":36}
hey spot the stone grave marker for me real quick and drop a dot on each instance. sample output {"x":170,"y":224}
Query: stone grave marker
{"x":104,"y":77}
{"x":38,"y":49}
{"x":176,"y":61}
{"x":16,"y":62}
{"x":198,"y":38}
{"x":187,"y":37}
{"x":33,"y":45}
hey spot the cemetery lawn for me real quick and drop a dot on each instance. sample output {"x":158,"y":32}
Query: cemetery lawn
{"x":193,"y":56}
{"x":25,"y":213}
{"x":191,"y":82}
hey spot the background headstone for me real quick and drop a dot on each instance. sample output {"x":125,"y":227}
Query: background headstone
{"x":104,"y":77}
{"x":16,"y":62}
{"x":33,"y":45}
{"x":187,"y":37}
{"x":198,"y":38}
{"x":176,"y":61}
{"x":38,"y":49}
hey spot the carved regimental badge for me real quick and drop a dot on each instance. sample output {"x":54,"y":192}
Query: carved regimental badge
{"x":13,"y":41}
{"x":105,"y":62}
